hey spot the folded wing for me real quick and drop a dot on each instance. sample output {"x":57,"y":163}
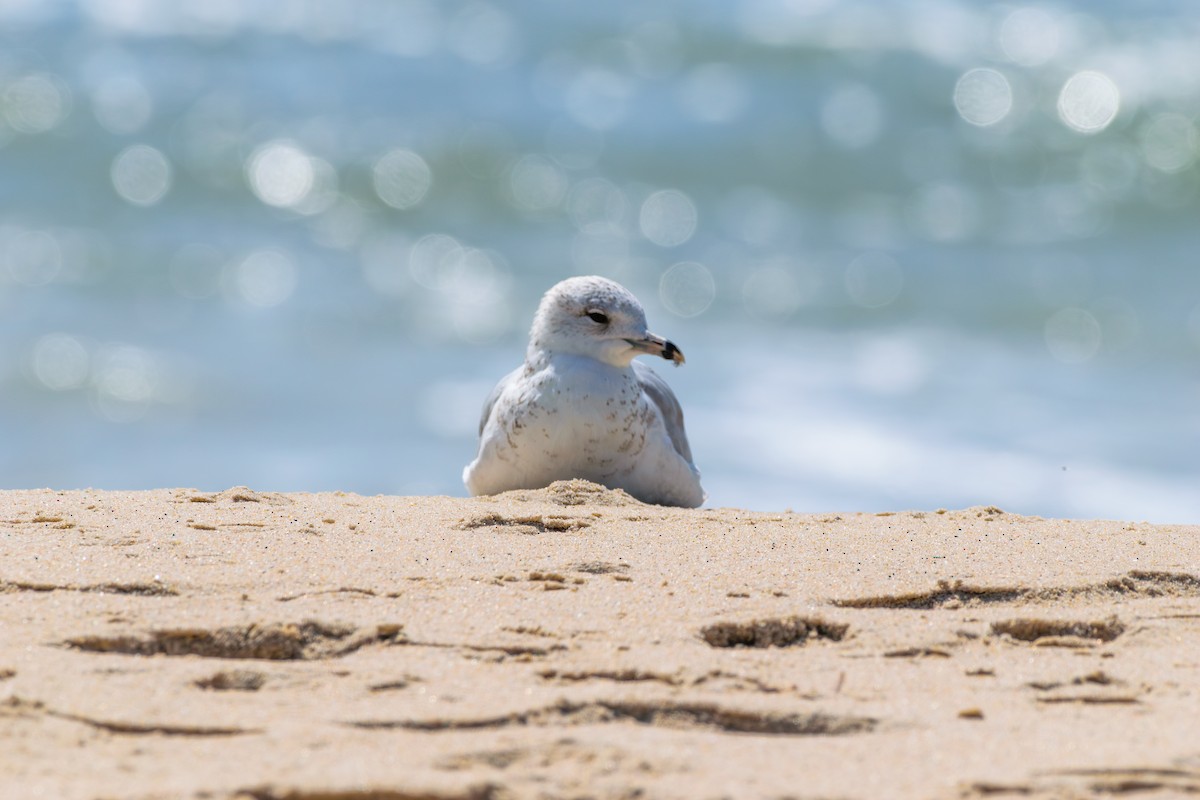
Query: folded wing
{"x":498,"y":390}
{"x":661,"y":395}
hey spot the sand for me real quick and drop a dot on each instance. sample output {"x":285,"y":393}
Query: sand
{"x":572,"y":642}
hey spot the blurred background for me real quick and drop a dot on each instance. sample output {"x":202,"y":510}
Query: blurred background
{"x":919,"y":254}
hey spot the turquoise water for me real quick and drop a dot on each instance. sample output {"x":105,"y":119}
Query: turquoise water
{"x":918,"y":255}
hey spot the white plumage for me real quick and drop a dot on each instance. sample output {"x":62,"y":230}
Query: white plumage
{"x":580,"y":407}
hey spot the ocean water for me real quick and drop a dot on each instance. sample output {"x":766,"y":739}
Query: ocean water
{"x":918,"y":254}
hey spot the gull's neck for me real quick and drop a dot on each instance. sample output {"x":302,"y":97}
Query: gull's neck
{"x":538,"y":357}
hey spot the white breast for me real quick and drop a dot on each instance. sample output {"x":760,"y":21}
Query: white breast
{"x":578,"y":418}
{"x":575,"y":418}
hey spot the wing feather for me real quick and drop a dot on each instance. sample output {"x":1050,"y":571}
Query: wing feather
{"x":672,"y":413}
{"x":498,"y":390}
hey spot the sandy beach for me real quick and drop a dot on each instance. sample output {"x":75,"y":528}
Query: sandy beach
{"x":573,"y":642}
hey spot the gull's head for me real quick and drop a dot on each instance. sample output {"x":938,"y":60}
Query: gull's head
{"x":597,"y":318}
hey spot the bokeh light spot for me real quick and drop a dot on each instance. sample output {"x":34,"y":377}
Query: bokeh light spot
{"x":1072,"y":335}
{"x":668,"y":218}
{"x":1169,"y":142}
{"x":597,"y":98}
{"x":759,"y":216}
{"x":596,"y":204}
{"x":323,"y":194}
{"x":125,"y":383}
{"x":32,"y":257}
{"x":36,"y":103}
{"x":983,"y":96}
{"x":1088,"y":102}
{"x":778,"y":289}
{"x":481,"y":309}
{"x":1029,"y":36}
{"x":341,"y":225}
{"x":407,"y":28}
{"x":122,"y":104}
{"x":265,"y":278}
{"x":687,"y":289}
{"x":483,"y":34}
{"x":780,"y":22}
{"x":141,"y":175}
{"x":946,"y":32}
{"x":602,"y":249}
{"x":280,"y":174}
{"x":537,"y":183}
{"x":401,"y":178}
{"x":60,"y":362}
{"x":434,"y":260}
{"x":479,"y":277}
{"x":874,"y":280}
{"x":852,"y":117}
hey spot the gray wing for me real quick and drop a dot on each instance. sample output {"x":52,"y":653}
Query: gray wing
{"x":661,"y":395}
{"x":495,"y":395}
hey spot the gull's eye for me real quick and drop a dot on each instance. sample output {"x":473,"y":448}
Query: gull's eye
{"x":598,"y":317}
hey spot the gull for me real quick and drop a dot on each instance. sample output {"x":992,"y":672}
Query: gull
{"x":581,"y":407}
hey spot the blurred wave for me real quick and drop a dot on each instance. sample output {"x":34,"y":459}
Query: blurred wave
{"x":918,"y":254}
